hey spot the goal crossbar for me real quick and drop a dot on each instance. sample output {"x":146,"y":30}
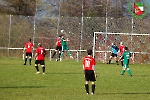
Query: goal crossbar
{"x":120,"y":33}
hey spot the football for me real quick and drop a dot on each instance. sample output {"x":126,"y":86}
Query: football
{"x":61,"y":31}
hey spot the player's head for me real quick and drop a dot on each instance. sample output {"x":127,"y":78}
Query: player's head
{"x":89,"y":51}
{"x":60,"y":35}
{"x":39,"y":44}
{"x":126,"y":48}
{"x":121,"y":43}
{"x":30,"y":39}
{"x":113,"y":44}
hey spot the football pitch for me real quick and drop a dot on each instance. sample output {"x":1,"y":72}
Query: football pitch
{"x":64,"y":81}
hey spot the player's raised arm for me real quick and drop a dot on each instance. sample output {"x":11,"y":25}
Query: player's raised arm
{"x":67,"y":39}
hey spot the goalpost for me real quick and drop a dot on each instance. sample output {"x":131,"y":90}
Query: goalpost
{"x":138,"y":44}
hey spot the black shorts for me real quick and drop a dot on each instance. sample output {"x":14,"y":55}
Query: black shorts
{"x":89,"y":75}
{"x":41,"y":62}
{"x":114,"y":55}
{"x":59,"y":48}
{"x":28,"y":54}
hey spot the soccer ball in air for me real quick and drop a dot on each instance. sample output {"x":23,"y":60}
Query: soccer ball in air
{"x":61,"y":31}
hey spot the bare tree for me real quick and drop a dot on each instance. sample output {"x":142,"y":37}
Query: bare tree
{"x":18,"y":7}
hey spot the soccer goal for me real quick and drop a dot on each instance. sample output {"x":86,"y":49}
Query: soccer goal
{"x":138,"y":44}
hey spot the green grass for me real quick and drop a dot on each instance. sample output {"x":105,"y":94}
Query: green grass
{"x":64,"y":81}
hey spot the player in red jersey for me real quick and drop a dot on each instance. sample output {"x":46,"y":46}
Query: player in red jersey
{"x":58,"y":48}
{"x":89,"y":71}
{"x":28,"y":50}
{"x":121,"y":50}
{"x":40,"y":58}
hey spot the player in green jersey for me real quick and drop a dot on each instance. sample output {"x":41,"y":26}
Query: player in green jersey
{"x":126,"y":56}
{"x":65,"y":47}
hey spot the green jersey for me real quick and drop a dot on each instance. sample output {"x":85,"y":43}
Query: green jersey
{"x":126,"y":56}
{"x":63,"y":42}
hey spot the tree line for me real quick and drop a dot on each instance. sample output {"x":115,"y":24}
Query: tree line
{"x":72,"y":8}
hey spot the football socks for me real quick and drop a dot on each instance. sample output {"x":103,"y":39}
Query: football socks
{"x":123,"y":71}
{"x":25,"y":61}
{"x":87,"y":88}
{"x":37,"y":68}
{"x":129,"y":72}
{"x":30,"y":61}
{"x":122,"y":63}
{"x":43,"y":68}
{"x":53,"y":54}
{"x":93,"y":88}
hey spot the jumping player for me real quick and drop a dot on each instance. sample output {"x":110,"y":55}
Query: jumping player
{"x":114,"y":50}
{"x":89,"y":71}
{"x":28,"y":50}
{"x":64,"y":46}
{"x":40,"y":58}
{"x":58,"y":48}
{"x":121,"y":50}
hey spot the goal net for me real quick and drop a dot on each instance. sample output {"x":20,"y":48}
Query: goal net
{"x":138,"y":44}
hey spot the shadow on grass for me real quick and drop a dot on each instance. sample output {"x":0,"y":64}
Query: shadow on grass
{"x":22,"y":87}
{"x":125,"y":93}
{"x":141,"y":75}
{"x":63,"y":73}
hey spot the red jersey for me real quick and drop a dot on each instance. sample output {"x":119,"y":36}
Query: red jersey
{"x":58,"y":41}
{"x":29,"y":47}
{"x":89,"y":63}
{"x":40,"y":51}
{"x":121,"y":49}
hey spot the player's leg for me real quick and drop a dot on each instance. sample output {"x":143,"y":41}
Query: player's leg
{"x":30,"y":58}
{"x":129,"y":72}
{"x":87,"y":87}
{"x":36,"y":66}
{"x":69,"y":53}
{"x":43,"y":66}
{"x":59,"y":53}
{"x":121,"y":61}
{"x":86,"y":81}
{"x":93,"y":79}
{"x":124,"y":69}
{"x":93,"y":87}
{"x":63,"y":49}
{"x":62,"y":53}
{"x":55,"y":52}
{"x":25,"y":61}
{"x":115,"y":57}
{"x":110,"y":59}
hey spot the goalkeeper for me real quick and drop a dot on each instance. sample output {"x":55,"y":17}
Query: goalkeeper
{"x":65,"y":47}
{"x":114,"y":49}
